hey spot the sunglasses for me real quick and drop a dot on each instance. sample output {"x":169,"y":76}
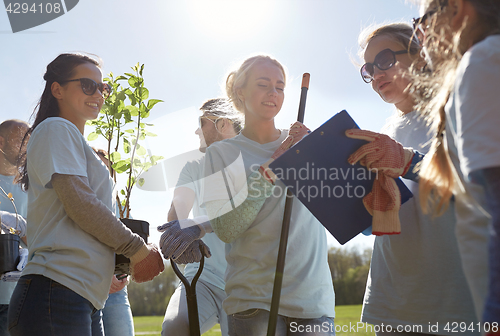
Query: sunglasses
{"x":213,"y":119}
{"x":89,"y":87}
{"x":420,"y":24}
{"x":384,"y":61}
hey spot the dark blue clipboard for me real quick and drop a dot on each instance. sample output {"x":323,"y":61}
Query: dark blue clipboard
{"x":338,"y":187}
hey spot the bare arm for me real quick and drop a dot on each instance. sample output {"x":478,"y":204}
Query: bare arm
{"x":182,"y":203}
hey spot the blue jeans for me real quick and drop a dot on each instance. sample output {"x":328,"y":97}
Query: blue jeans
{"x":4,"y":309}
{"x":117,"y":316}
{"x":254,"y":322}
{"x":41,"y":306}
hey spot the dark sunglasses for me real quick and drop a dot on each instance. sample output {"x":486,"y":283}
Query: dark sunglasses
{"x":384,"y":61}
{"x":420,"y":24}
{"x":89,"y":86}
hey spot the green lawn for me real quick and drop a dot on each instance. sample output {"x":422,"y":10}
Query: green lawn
{"x":346,"y":318}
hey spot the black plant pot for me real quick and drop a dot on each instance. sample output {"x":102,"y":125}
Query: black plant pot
{"x":9,"y":252}
{"x":122,"y":263}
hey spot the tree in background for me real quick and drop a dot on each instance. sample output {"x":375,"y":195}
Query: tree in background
{"x":349,"y":269}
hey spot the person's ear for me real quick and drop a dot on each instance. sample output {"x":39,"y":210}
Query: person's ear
{"x":56,"y":90}
{"x":458,"y":13}
{"x":239,"y":93}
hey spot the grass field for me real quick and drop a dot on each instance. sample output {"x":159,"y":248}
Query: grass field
{"x":346,"y":318}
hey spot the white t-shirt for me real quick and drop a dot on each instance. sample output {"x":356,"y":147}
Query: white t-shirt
{"x":59,"y":248}
{"x":21,"y":202}
{"x":416,"y":277}
{"x":214,"y":268}
{"x":473,"y":140}
{"x":307,"y":290}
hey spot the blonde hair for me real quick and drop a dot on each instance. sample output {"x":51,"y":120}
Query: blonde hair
{"x":237,"y":79}
{"x":433,"y":89}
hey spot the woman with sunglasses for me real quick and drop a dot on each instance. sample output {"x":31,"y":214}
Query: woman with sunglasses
{"x":72,"y":232}
{"x":246,"y":211}
{"x":416,"y":278}
{"x":462,"y":41}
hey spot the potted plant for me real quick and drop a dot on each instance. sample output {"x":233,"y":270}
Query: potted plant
{"x":121,"y":123}
{"x":9,"y":242}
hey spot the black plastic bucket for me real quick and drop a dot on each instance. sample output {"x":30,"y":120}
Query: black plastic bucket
{"x":9,"y":252}
{"x":122,"y":263}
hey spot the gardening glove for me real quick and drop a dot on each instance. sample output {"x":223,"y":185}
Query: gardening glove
{"x":15,"y":275}
{"x":118,"y":284}
{"x":146,"y":264}
{"x":296,"y":133}
{"x":9,"y":223}
{"x":174,"y":240}
{"x":194,"y":253}
{"x":390,"y":160}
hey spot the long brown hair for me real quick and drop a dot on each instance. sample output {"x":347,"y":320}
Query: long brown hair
{"x":59,"y":70}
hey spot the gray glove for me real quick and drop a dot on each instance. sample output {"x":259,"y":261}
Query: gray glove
{"x":174,"y":240}
{"x":9,"y":221}
{"x":193,"y":253}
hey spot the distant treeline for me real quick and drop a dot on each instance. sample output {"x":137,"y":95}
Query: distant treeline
{"x":349,"y":269}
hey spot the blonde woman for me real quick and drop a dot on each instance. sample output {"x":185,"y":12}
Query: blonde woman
{"x":246,"y":212}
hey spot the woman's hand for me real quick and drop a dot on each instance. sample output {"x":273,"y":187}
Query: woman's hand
{"x":296,"y":133}
{"x":118,"y":285}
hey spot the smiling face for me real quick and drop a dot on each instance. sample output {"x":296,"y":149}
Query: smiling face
{"x":390,"y":84}
{"x":263,"y":93}
{"x":74,"y":105}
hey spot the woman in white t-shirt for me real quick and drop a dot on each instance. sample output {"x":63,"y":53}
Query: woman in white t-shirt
{"x":72,"y":232}
{"x":246,"y":212}
{"x":416,"y":278}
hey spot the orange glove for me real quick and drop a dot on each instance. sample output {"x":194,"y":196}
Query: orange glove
{"x":146,"y":264}
{"x":295,"y":134}
{"x":390,"y":160}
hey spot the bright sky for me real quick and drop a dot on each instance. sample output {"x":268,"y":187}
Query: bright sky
{"x":189,"y":46}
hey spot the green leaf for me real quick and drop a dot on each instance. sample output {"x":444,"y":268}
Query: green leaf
{"x":142,"y":68}
{"x":153,"y":102}
{"x":92,"y":136}
{"x":140,"y":150}
{"x":115,"y":157}
{"x":129,"y":74}
{"x":142,"y":93}
{"x":141,"y":181}
{"x":134,"y":111}
{"x":131,"y":131}
{"x":150,"y":134}
{"x":131,"y":182}
{"x":134,"y":82}
{"x":122,"y":192}
{"x":120,"y":78}
{"x":147,"y":165}
{"x":126,"y":146}
{"x":121,"y":166}
{"x":156,"y":158}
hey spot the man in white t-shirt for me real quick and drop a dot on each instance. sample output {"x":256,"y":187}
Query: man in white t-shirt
{"x":11,"y":136}
{"x":218,"y":122}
